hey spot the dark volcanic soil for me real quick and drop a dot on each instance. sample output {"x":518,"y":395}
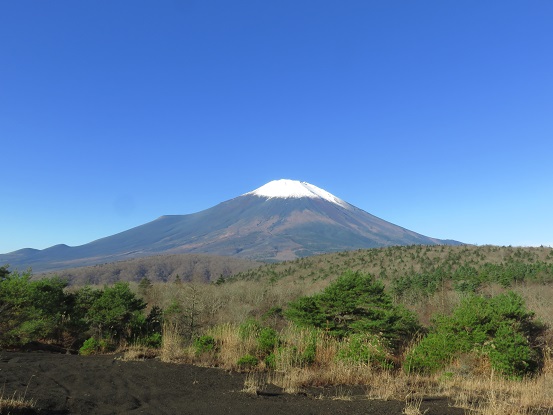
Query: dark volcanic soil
{"x":66,"y":384}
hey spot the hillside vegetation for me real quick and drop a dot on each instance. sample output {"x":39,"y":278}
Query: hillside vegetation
{"x":469,"y":265}
{"x":159,"y":268}
{"x":469,"y":322}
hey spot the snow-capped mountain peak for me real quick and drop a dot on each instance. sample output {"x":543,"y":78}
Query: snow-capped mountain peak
{"x":284,"y":188}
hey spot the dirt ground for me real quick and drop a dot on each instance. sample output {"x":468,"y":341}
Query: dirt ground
{"x":68,"y":384}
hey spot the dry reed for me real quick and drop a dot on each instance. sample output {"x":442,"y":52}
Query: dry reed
{"x":17,"y":403}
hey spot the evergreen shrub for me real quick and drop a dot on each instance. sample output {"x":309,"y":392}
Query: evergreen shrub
{"x":499,"y":328}
{"x":355,"y":303}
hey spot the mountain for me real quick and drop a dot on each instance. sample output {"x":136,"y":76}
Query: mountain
{"x":281,"y":220}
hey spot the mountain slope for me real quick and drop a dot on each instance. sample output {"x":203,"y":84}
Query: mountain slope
{"x":281,"y":220}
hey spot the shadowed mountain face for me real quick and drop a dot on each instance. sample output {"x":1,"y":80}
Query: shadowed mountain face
{"x":281,"y":220}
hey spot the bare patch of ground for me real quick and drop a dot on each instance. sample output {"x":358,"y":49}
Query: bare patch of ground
{"x":67,"y":384}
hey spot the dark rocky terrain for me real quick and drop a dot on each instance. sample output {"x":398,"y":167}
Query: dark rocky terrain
{"x":102,"y":385}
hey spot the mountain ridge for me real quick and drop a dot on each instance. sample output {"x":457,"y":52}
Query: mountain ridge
{"x":281,"y":220}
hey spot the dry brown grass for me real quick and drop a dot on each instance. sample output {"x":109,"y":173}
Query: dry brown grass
{"x":496,"y":395}
{"x":17,"y":403}
{"x":479,"y":395}
{"x":413,"y":406}
{"x":172,"y":347}
{"x":232,"y":346}
{"x":539,"y":299}
{"x":254,"y":382}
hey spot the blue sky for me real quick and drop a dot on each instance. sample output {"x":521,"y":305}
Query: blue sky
{"x":434,"y":115}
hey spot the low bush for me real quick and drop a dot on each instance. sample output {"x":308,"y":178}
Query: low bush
{"x":355,"y":304}
{"x":267,"y":340}
{"x":500,"y":328}
{"x":153,"y":340}
{"x":93,"y":346}
{"x":364,"y":349}
{"x":204,"y":344}
{"x":247,"y":361}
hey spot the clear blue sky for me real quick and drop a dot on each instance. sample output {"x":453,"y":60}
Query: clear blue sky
{"x":434,"y":115}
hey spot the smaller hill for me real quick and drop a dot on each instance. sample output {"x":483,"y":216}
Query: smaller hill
{"x":419,"y":269}
{"x":159,"y":268}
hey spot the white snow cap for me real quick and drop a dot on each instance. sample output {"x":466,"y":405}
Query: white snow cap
{"x":295,"y":189}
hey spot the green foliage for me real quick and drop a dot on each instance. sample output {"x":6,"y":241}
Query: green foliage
{"x":153,"y":340}
{"x":267,"y":340}
{"x":154,"y":320}
{"x":114,"y":310}
{"x":364,"y":349}
{"x":4,"y":272}
{"x":175,"y":316}
{"x":298,"y":349}
{"x":204,"y":344}
{"x":146,"y":330}
{"x":30,"y":310}
{"x":41,"y":310}
{"x":80,"y":303}
{"x":93,"y":346}
{"x":500,"y":328}
{"x":247,"y":361}
{"x":511,"y":354}
{"x":355,"y":303}
{"x":250,"y":328}
{"x":433,"y":352}
{"x":310,"y":351}
{"x":417,"y":272}
{"x":89,"y":347}
{"x":270,"y":361}
{"x":468,"y":277}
